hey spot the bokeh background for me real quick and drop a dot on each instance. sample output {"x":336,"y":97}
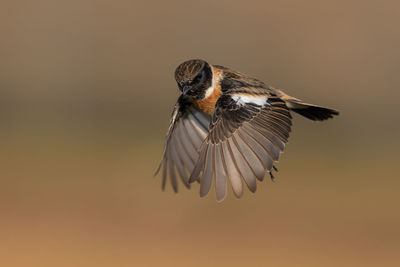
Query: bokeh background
{"x":86,"y":90}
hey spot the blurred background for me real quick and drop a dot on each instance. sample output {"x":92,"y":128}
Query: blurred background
{"x":86,"y":90}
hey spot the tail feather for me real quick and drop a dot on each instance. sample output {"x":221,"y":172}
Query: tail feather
{"x":312,"y":112}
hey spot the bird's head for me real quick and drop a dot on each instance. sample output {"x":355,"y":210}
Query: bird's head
{"x":194,"y":77}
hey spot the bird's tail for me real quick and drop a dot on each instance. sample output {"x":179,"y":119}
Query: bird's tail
{"x":310,"y":111}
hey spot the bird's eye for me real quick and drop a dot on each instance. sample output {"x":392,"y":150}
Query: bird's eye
{"x":198,"y":78}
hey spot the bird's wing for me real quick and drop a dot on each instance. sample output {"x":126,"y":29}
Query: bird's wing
{"x":186,"y":132}
{"x":247,"y":134}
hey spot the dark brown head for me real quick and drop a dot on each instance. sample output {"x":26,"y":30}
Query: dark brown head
{"x":194,"y":77}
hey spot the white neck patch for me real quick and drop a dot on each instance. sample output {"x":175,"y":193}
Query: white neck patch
{"x":211,"y":89}
{"x":245,"y":99}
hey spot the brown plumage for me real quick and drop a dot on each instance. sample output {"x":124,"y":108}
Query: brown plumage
{"x":227,"y":126}
{"x":207,"y":105}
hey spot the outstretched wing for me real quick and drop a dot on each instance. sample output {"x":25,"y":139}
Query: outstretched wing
{"x":247,"y":134}
{"x":187,"y":130}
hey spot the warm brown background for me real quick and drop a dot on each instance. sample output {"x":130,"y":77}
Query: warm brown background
{"x":86,"y":89}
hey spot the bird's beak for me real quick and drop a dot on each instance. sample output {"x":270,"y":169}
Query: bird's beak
{"x":185,"y":89}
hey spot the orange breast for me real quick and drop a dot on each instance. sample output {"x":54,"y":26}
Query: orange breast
{"x":208,"y":105}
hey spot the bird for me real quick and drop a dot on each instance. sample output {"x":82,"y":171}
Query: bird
{"x":227,"y":128}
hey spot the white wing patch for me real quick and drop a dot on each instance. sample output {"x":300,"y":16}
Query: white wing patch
{"x":245,"y":99}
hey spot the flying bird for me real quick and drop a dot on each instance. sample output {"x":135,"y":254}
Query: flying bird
{"x":227,"y":127}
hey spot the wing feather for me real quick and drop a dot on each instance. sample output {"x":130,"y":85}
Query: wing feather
{"x":178,"y":162}
{"x":269,"y":131}
{"x":188,"y":153}
{"x":206,"y":179}
{"x":262,"y":154}
{"x":243,"y":142}
{"x":186,"y":133}
{"x":193,"y":131}
{"x":172,"y":174}
{"x":265,"y":142}
{"x":242,"y":164}
{"x":220,"y":174}
{"x":252,"y":160}
{"x":234,"y":175}
{"x":164,"y":173}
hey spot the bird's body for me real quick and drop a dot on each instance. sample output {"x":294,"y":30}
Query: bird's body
{"x":227,"y":126}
